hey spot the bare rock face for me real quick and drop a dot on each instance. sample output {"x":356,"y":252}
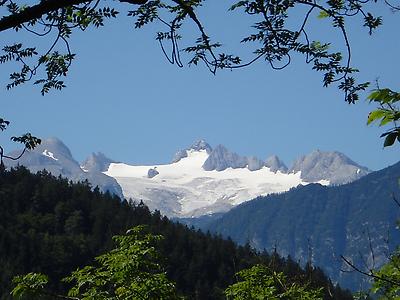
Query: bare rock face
{"x":254,"y":164}
{"x":97,"y":162}
{"x":275,"y":164}
{"x":152,"y":172}
{"x":196,"y":146}
{"x":179,"y":155}
{"x":220,"y":159}
{"x":201,"y":145}
{"x":333,"y":166}
{"x":55,"y":157}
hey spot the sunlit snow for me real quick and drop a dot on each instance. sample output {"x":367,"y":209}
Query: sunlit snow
{"x":49,"y":154}
{"x":184,"y":188}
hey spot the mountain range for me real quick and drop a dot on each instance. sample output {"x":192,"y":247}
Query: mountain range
{"x":319,"y":223}
{"x":55,"y":157}
{"x":200,"y":180}
{"x":323,"y":206}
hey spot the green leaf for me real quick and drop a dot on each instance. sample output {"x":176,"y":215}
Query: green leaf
{"x":323,"y":14}
{"x":390,"y":139}
{"x":375,"y":115}
{"x":31,"y":284}
{"x":387,"y":119}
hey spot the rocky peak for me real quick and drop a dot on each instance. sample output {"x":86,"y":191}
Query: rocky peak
{"x":275,"y":164}
{"x":196,"y":146}
{"x":96,"y":162}
{"x":221,"y":158}
{"x":200,"y":145}
{"x":254,"y":164}
{"x":53,"y":147}
{"x":333,"y":166}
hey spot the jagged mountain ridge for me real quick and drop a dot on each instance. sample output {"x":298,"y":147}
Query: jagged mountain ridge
{"x":333,"y":165}
{"x":54,"y":156}
{"x":199,"y":181}
{"x":96,"y":162}
{"x":203,"y":180}
{"x":275,"y":164}
{"x":321,"y":222}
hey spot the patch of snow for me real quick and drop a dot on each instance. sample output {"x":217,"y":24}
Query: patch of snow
{"x":324,"y":182}
{"x":192,"y":190}
{"x":49,"y":154}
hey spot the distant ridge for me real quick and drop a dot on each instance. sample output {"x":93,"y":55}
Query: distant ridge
{"x":200,"y":180}
{"x":54,"y":156}
{"x":333,"y":166}
{"x":332,"y":220}
{"x":203,"y":180}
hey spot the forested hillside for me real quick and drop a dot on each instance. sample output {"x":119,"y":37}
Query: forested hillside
{"x":51,"y":226}
{"x":357,"y":220}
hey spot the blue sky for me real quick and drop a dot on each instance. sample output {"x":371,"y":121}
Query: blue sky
{"x":125,"y":100}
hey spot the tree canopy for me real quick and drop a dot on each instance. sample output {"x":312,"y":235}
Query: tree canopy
{"x":281,"y":29}
{"x":54,"y":227}
{"x":276,"y":38}
{"x":130,"y":271}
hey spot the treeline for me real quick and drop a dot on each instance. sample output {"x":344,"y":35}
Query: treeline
{"x":52,"y":226}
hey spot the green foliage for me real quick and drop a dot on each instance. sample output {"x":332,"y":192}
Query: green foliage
{"x":29,"y":286}
{"x":259,"y":282}
{"x":275,"y":37}
{"x":130,"y":271}
{"x":53,"y":227}
{"x":287,"y":221}
{"x":278,"y":39}
{"x":63,"y":18}
{"x":28,"y":140}
{"x":388,"y":113}
{"x":387,"y":279}
{"x":3,"y":124}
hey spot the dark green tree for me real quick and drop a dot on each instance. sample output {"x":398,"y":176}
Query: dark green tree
{"x":51,"y":226}
{"x":260,"y":282}
{"x":130,"y":271}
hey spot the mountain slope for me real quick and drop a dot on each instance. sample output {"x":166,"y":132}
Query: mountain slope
{"x":96,"y":162}
{"x":51,"y":226}
{"x":333,"y":166}
{"x":331,"y":221}
{"x":184,"y":188}
{"x":54,"y":156}
{"x":202,"y":180}
{"x":199,"y":181}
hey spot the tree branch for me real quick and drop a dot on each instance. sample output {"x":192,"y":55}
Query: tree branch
{"x":36,"y":11}
{"x":371,"y":274}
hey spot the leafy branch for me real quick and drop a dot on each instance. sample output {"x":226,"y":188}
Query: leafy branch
{"x":388,"y":113}
{"x":132,"y":270}
{"x":277,"y":39}
{"x":29,"y":142}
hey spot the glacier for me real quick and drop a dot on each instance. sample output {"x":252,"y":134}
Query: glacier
{"x":185,"y":189}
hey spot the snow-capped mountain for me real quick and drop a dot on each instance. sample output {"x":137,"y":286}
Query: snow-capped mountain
{"x":334,"y":166}
{"x":185,"y":188}
{"x":96,"y":162}
{"x":275,"y":164}
{"x":54,"y":156}
{"x":200,"y":180}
